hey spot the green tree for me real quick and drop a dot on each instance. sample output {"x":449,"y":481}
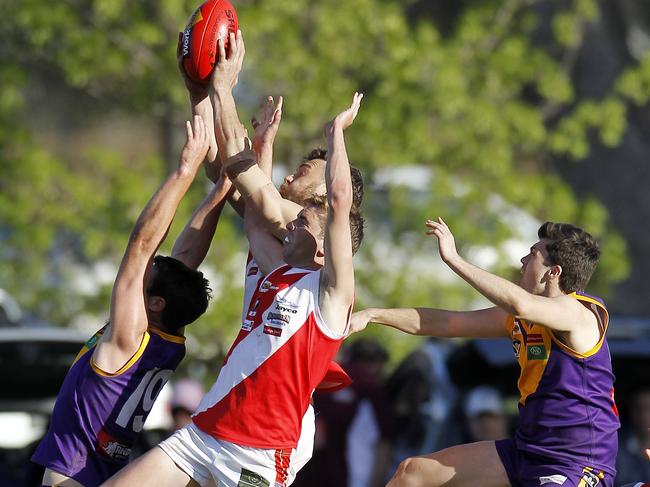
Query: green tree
{"x":474,"y":96}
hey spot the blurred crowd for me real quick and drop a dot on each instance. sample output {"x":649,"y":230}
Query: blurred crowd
{"x":365,"y":430}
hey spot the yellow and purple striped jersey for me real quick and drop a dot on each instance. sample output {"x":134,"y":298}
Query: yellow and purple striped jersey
{"x":567,"y":409}
{"x":98,"y":415}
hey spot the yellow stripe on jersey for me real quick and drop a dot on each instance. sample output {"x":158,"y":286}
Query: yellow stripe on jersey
{"x":90,"y":344}
{"x":167,"y":336}
{"x":603,"y":321}
{"x":532,"y":344}
{"x":138,"y":353}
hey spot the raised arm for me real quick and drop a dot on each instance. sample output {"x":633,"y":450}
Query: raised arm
{"x":561,"y":313}
{"x":200,"y":103}
{"x":128,"y":314}
{"x":484,"y":323}
{"x":193,"y":243}
{"x":337,"y":277}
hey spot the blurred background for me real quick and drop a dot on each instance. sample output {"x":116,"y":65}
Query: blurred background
{"x":495,"y":114}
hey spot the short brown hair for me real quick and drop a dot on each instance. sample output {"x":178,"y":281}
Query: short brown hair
{"x":356,"y":219}
{"x":575,"y":250}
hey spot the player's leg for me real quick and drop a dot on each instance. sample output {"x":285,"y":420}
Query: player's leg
{"x":50,"y":477}
{"x":153,"y":469}
{"x":463,"y":465}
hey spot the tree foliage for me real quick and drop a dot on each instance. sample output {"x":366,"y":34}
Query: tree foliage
{"x":483,"y":97}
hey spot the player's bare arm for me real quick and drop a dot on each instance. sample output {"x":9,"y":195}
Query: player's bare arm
{"x":558,"y":312}
{"x":199,"y":101}
{"x":193,"y":243}
{"x":337,"y":277}
{"x":484,"y":323}
{"x":128,"y":315}
{"x":229,"y":131}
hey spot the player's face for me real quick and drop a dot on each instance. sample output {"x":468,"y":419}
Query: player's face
{"x":308,"y":180}
{"x":304,"y":238}
{"x":535,"y":266}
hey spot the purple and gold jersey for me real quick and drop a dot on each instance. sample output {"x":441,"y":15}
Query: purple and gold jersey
{"x":97,"y":415}
{"x":567,"y":409}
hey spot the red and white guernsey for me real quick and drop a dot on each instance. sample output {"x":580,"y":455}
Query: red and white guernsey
{"x":281,"y":354}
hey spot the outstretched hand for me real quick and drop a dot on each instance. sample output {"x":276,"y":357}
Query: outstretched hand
{"x":446,"y":243}
{"x":344,"y":119}
{"x":359,"y":321}
{"x":197,"y":144}
{"x":226,"y":71}
{"x":266,"y":127}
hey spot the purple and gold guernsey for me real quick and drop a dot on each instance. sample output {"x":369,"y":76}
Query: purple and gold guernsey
{"x":97,"y":416}
{"x":567,"y":409}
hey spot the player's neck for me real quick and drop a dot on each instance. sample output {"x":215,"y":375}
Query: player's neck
{"x":168,"y":330}
{"x":312,"y":265}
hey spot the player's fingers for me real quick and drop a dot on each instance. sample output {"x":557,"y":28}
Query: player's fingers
{"x":278,"y":106}
{"x":233,"y":47}
{"x":240,"y":42}
{"x":199,"y":127}
{"x":277,"y":116}
{"x":254,"y":122}
{"x":268,"y":107}
{"x":188,"y":129}
{"x":222,"y":50}
{"x":179,"y":46}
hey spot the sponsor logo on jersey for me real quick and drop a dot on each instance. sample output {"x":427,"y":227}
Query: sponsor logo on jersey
{"x":247,"y":325}
{"x":533,"y":338}
{"x":516,"y":346}
{"x":536,"y":352}
{"x":248,"y":478}
{"x":589,"y":478}
{"x":272,"y":330}
{"x":253,"y":310}
{"x":267,"y":286}
{"x":108,"y":445}
{"x":278,"y":318}
{"x":285,"y":309}
{"x":552,"y":479}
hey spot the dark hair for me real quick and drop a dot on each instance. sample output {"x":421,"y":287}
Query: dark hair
{"x":575,"y":250}
{"x":185,"y":291}
{"x":355,"y":174}
{"x":356,"y":219}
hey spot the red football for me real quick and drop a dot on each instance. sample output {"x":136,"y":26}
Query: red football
{"x":213,"y":20}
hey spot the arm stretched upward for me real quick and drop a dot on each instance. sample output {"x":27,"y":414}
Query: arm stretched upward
{"x":128,"y":314}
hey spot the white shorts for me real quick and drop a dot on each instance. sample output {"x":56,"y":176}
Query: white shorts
{"x":211,"y":461}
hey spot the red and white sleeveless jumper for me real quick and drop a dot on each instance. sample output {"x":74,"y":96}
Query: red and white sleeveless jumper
{"x":283,"y":351}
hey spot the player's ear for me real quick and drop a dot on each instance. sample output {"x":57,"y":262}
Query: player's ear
{"x":156,"y":303}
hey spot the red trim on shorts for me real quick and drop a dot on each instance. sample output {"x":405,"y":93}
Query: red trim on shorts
{"x":282,"y":459}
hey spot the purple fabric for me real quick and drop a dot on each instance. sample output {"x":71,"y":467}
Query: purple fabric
{"x":572,"y":415}
{"x":525,"y":469}
{"x":97,"y":418}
